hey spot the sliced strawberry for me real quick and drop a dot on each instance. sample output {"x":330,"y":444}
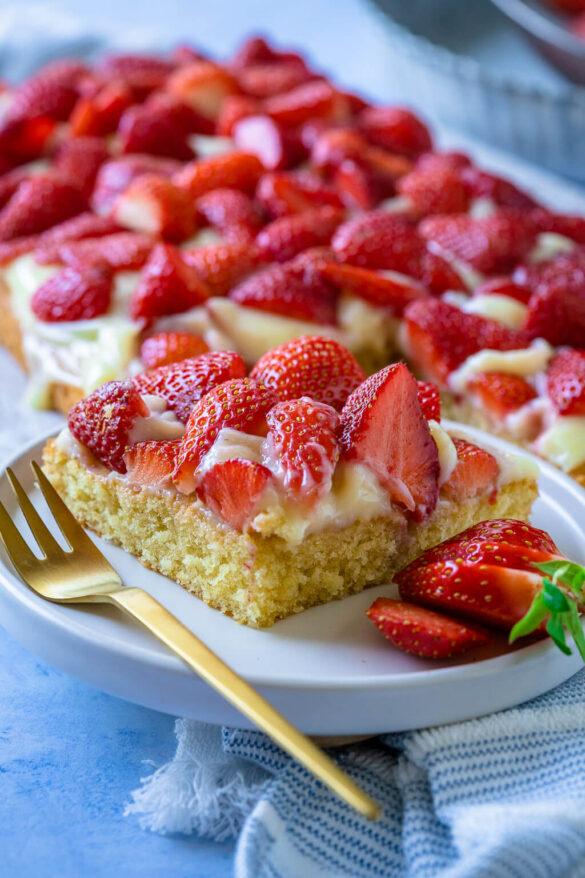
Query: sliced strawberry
{"x":170,"y":347}
{"x":99,"y":115}
{"x":395,"y":129}
{"x":434,"y":191}
{"x":167,"y":285}
{"x":151,"y":463}
{"x":144,"y":129}
{"x":182,"y":384}
{"x":565,"y":382}
{"x":483,"y":573}
{"x":203,"y":85}
{"x":379,"y":240}
{"x":283,"y":238}
{"x":423,"y":632}
{"x":491,"y":244}
{"x":23,"y":140}
{"x":572,"y":227}
{"x":311,"y":365}
{"x":232,"y":489}
{"x":475,"y":473}
{"x":124,"y":251}
{"x":115,"y":176}
{"x":84,"y":225}
{"x":103,"y":421}
{"x":333,"y":146}
{"x":312,"y":99}
{"x":232,"y":170}
{"x":437,"y":275}
{"x":264,"y":80}
{"x":231,"y":212}
{"x":382,"y":426}
{"x":263,"y":137}
{"x":504,"y":286}
{"x":38,"y":203}
{"x":9,"y":183}
{"x":440,"y":337}
{"x":480,"y":184}
{"x":154,"y":205}
{"x":222,"y":266}
{"x":233,"y":109}
{"x":42,"y":96}
{"x":79,"y":159}
{"x":556,"y":312}
{"x":73,"y":294}
{"x":288,"y":192}
{"x":241,"y":404}
{"x":429,"y":399}
{"x":284,"y":289}
{"x":441,"y":161}
{"x":359,"y":187}
{"x":302,"y":447}
{"x":383,"y":289}
{"x":500,"y":394}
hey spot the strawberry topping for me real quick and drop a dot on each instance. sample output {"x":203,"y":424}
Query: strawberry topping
{"x":167,"y":285}
{"x":151,"y":463}
{"x":170,"y":347}
{"x":476,"y":471}
{"x":232,"y":489}
{"x":566,"y":382}
{"x":73,"y":294}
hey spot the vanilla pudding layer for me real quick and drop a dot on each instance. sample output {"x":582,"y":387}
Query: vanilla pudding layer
{"x":269,"y":573}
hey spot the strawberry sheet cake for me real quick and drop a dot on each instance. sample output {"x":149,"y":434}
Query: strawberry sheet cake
{"x":264,"y":494}
{"x":152,"y":208}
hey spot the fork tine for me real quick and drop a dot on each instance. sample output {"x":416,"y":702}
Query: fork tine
{"x":19,"y":551}
{"x":39,"y":529}
{"x":69,"y":526}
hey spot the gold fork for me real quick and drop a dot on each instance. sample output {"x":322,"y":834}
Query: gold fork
{"x":82,"y":575}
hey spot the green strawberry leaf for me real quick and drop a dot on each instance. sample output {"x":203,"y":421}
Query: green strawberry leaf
{"x":575,"y":627}
{"x":553,"y":598}
{"x":571,"y":574}
{"x":531,"y":621}
{"x":557,"y":632}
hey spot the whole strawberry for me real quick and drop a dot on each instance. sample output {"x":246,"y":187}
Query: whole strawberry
{"x":103,"y":421}
{"x":167,"y":285}
{"x":73,"y":294}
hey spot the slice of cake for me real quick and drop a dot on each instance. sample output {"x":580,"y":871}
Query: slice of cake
{"x":266,"y":495}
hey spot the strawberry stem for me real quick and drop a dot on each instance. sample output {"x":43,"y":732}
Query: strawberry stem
{"x":561,"y":599}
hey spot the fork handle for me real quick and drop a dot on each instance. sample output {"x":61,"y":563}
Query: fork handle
{"x":143,"y":607}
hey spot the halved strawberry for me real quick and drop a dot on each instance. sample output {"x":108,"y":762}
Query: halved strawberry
{"x":222,"y":266}
{"x":37,"y":204}
{"x":311,"y":365}
{"x":170,"y":347}
{"x":491,"y":244}
{"x":10,"y":250}
{"x":266,"y":79}
{"x":565,"y":382}
{"x":437,"y":275}
{"x":283,"y":238}
{"x":203,"y":85}
{"x":302,"y":447}
{"x":284,"y":289}
{"x":423,"y":632}
{"x":147,"y":129}
{"x":9,"y":183}
{"x":481,"y":184}
{"x":154,"y":205}
{"x":312,"y":99}
{"x":182,"y":384}
{"x":233,"y":109}
{"x":359,"y":187}
{"x":500,"y":394}
{"x":429,"y":399}
{"x":99,"y":114}
{"x":440,"y":161}
{"x":484,"y":573}
{"x":73,"y":294}
{"x":333,"y":146}
{"x":241,"y":404}
{"x":151,"y":463}
{"x":288,"y":192}
{"x":231,"y":212}
{"x":440,"y":337}
{"x":379,"y":240}
{"x":438,"y":191}
{"x":232,"y":170}
{"x":115,"y":176}
{"x":263,"y":137}
{"x":84,"y":225}
{"x":79,"y":159}
{"x":556,"y":311}
{"x":382,"y":426}
{"x":42,"y":96}
{"x":124,"y":251}
{"x":137,"y":64}
{"x":383,"y":289}
{"x":395,"y":129}
{"x":475,"y":473}
{"x":167,"y":285}
{"x":232,"y":489}
{"x":23,"y":140}
{"x":572,"y":227}
{"x":103,"y":420}
{"x":504,"y":286}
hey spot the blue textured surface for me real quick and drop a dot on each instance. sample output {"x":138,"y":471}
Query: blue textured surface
{"x":69,"y":757}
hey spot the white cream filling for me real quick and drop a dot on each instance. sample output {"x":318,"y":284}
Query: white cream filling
{"x":549,"y":245}
{"x":160,"y":425}
{"x":446,"y":449}
{"x":206,"y":146}
{"x":206,"y":237}
{"x":564,"y":442}
{"x":524,"y":362}
{"x":503,"y":309}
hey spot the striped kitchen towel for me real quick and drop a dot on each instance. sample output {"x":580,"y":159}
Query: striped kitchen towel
{"x":498,"y":797}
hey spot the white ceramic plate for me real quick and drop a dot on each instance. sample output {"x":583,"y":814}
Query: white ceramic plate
{"x":328,"y":669}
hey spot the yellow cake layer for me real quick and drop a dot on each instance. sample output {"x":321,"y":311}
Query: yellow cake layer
{"x":259,"y":579}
